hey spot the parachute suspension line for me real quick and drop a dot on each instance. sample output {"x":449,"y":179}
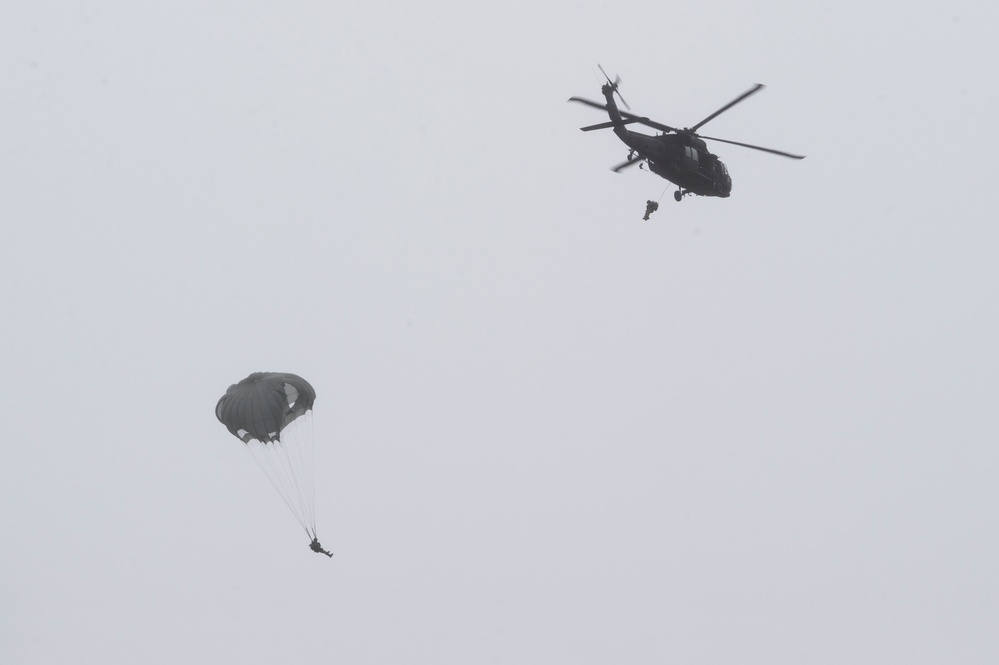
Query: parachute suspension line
{"x":304,"y":460}
{"x":288,"y":464}
{"x":274,"y":472}
{"x":301,"y":459}
{"x":312,"y":467}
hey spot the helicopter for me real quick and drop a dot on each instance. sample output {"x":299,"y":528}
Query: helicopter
{"x":678,"y":155}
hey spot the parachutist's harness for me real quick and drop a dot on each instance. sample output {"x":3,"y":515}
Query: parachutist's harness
{"x":316,"y":547}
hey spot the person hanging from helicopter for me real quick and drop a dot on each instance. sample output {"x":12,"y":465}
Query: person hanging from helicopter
{"x":316,"y":547}
{"x":650,"y":207}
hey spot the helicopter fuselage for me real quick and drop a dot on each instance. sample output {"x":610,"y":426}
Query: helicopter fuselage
{"x":681,"y":158}
{"x":678,"y":155}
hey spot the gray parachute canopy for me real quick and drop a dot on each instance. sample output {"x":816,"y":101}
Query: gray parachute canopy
{"x":263,"y":404}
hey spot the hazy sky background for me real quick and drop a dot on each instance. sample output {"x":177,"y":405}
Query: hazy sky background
{"x":753,"y":430}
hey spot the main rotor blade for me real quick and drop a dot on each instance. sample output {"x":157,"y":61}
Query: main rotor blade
{"x":624,"y":114}
{"x":623,"y":165}
{"x":754,"y":147}
{"x":602,"y":107}
{"x":732,"y":103}
{"x":606,"y":125}
{"x":649,"y":123}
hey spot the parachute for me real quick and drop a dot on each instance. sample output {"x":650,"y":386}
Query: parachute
{"x":271,"y":412}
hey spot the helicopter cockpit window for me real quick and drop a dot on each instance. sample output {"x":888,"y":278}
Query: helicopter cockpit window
{"x":691,"y":153}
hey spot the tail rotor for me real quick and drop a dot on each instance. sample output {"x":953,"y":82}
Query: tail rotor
{"x":613,"y":84}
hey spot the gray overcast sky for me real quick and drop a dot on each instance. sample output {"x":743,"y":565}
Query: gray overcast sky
{"x":753,"y":430}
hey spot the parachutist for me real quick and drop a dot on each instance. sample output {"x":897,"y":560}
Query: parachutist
{"x":316,"y":547}
{"x":650,"y":207}
{"x":271,"y":412}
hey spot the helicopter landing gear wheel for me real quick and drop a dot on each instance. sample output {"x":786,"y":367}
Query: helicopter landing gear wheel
{"x":678,"y":195}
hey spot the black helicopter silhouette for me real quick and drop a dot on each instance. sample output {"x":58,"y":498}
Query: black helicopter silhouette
{"x":678,"y":155}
